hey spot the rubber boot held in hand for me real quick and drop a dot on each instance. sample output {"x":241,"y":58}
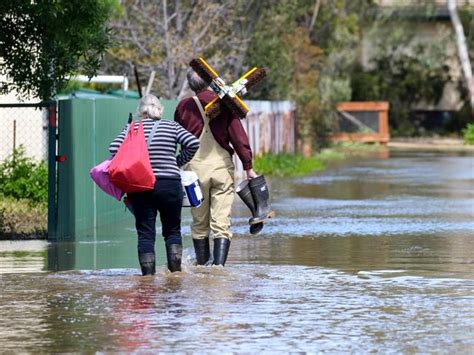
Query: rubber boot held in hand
{"x":243,"y":190}
{"x":173,"y":254}
{"x":260,"y":194}
{"x":147,"y":263}
{"x":202,"y":250}
{"x":221,"y":249}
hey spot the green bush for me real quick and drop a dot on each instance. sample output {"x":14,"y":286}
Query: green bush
{"x":23,"y":178}
{"x":403,"y":72}
{"x":468,"y":134}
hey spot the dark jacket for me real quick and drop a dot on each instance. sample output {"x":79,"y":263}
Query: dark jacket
{"x":226,"y":128}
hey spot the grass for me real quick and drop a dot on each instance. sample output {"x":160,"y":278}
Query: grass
{"x":288,"y":165}
{"x":468,"y":134}
{"x":19,"y":219}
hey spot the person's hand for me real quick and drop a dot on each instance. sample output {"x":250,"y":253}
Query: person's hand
{"x":250,"y":174}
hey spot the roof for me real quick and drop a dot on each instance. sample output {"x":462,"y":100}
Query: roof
{"x":85,"y":94}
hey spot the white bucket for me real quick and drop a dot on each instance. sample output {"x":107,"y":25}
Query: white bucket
{"x":192,"y":189}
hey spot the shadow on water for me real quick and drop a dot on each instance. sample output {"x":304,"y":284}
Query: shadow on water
{"x":375,"y":256}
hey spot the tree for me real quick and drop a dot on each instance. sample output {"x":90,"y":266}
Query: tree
{"x":309,"y":47}
{"x":164,"y":36}
{"x":270,"y":47}
{"x":44,"y":42}
{"x":462,"y":50}
{"x":307,"y":59}
{"x":404,"y":72}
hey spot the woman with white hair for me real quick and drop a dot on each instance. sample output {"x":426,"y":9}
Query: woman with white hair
{"x":167,"y":195}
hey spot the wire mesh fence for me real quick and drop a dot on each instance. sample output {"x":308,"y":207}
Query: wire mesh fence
{"x":26,"y":127}
{"x":357,"y":121}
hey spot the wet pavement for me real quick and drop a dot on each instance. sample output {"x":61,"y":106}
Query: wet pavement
{"x":377,"y":256}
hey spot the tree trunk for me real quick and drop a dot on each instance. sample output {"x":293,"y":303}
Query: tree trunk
{"x":169,"y":54}
{"x":317,"y":4}
{"x":462,"y":50}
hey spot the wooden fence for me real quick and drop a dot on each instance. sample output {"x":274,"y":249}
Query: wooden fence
{"x":362,"y":122}
{"x":270,"y":126}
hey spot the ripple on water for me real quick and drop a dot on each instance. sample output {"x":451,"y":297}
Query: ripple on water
{"x":400,"y":281}
{"x":243,"y":308}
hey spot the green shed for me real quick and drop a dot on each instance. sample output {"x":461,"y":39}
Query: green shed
{"x":86,"y":126}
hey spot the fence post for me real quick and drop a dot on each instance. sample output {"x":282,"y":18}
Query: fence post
{"x":52,"y":205}
{"x":14,"y":138}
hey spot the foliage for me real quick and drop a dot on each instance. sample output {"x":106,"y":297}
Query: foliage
{"x":287,"y":164}
{"x":73,"y":86}
{"x":312,"y":50}
{"x":468,"y":134}
{"x":165,"y":36}
{"x":23,"y":178}
{"x":42,"y":43}
{"x":308,"y":51}
{"x":20,"y":220}
{"x":405,"y":76}
{"x":337,"y":33}
{"x":307,"y":60}
{"x":270,"y":47}
{"x":464,"y":115}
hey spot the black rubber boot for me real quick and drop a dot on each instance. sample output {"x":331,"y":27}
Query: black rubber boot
{"x":173,"y":254}
{"x":256,"y":228}
{"x":221,"y":249}
{"x":147,"y":263}
{"x":243,"y":190}
{"x":260,"y":194}
{"x":202,"y":250}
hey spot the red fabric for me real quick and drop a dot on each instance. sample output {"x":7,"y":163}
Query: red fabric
{"x":130,"y":169}
{"x":226,"y":128}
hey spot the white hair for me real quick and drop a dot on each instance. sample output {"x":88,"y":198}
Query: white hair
{"x":150,"y":106}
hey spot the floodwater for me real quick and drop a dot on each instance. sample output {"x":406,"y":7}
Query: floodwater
{"x":375,"y":256}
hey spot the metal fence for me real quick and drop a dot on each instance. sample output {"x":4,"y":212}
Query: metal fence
{"x":26,"y":126}
{"x":31,"y":127}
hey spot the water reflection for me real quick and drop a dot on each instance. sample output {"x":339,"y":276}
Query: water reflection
{"x":244,"y":308}
{"x":372,"y":257}
{"x":22,"y":256}
{"x":436,"y":256}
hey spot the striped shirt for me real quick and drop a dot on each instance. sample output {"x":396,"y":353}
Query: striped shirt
{"x":162,"y":148}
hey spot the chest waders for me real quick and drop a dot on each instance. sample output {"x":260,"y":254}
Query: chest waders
{"x":215,"y":169}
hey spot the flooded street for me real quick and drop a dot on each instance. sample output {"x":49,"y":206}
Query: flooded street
{"x":373,"y":256}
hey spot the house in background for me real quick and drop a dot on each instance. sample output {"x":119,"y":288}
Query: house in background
{"x":429,"y":26}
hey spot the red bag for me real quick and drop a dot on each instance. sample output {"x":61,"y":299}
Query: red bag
{"x":130,"y":169}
